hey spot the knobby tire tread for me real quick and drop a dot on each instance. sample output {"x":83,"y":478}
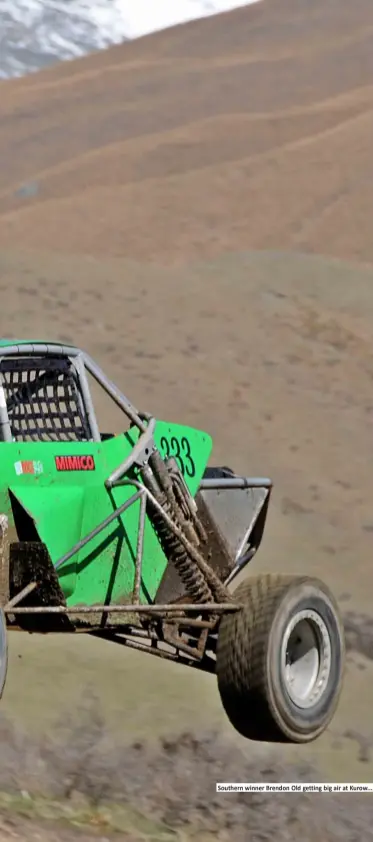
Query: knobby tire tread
{"x":241,"y":656}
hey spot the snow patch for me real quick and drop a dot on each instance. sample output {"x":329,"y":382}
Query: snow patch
{"x":37,"y":33}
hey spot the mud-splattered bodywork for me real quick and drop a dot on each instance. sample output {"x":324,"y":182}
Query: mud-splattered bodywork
{"x":54,"y":480}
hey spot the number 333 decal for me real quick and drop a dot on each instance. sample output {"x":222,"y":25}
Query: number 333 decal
{"x":180,"y":450}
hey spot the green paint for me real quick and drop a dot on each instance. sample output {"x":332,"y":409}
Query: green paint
{"x":7,"y":343}
{"x":66,"y":506}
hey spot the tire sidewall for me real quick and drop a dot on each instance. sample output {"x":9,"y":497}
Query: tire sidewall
{"x":3,"y":652}
{"x":294,"y":721}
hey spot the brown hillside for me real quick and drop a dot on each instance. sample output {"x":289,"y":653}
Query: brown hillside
{"x":249,"y":130}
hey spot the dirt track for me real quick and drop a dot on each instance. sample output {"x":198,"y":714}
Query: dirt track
{"x":145,"y":195}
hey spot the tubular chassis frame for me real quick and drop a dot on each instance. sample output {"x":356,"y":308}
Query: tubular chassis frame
{"x":188,"y":630}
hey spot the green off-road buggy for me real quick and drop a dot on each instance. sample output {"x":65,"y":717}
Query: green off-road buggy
{"x":133,"y":538}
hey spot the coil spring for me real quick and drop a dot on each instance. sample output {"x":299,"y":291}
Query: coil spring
{"x":190,"y":575}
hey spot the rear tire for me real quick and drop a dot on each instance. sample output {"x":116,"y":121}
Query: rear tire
{"x":3,"y":651}
{"x":280,"y":659}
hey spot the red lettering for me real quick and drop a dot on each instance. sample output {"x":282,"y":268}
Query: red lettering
{"x":74,"y":463}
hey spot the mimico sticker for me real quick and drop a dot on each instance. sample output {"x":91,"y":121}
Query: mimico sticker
{"x":75,"y":463}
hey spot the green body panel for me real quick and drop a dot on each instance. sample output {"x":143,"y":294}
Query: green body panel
{"x":66,"y":505}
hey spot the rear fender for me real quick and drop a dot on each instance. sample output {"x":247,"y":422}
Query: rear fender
{"x":237,"y":508}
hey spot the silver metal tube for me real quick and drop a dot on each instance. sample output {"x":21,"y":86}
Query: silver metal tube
{"x":143,"y":445}
{"x":4,"y":559}
{"x":211,"y":578}
{"x":236,"y":482}
{"x":5,"y":428}
{"x":203,"y":608}
{"x":99,"y":528}
{"x":49,"y":350}
{"x":87,"y":398}
{"x":21,"y":595}
{"x":139,"y":551}
{"x":111,"y":389}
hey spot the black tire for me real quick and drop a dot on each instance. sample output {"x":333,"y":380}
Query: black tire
{"x":3,"y":652}
{"x":218,"y":473}
{"x":256,"y":694}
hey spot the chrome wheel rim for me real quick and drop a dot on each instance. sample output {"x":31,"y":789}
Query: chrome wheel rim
{"x":306,"y":658}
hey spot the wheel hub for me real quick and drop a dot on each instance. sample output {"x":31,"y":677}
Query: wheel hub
{"x":306,"y":658}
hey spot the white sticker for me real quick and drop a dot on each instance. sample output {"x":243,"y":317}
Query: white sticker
{"x":26,"y":466}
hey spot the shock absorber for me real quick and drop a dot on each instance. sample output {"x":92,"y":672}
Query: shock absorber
{"x":191,"y":576}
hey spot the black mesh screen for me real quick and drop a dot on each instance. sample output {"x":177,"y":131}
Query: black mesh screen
{"x":43,"y":399}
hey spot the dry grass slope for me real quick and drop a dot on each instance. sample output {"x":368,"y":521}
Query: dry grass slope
{"x":164,"y":792}
{"x":249,"y":130}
